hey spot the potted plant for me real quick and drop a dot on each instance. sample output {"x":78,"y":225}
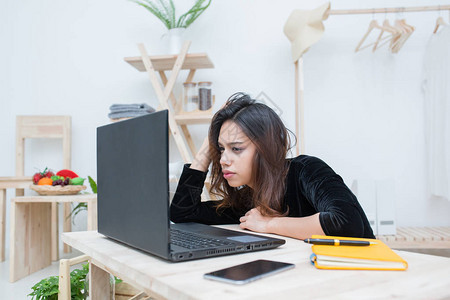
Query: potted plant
{"x":48,"y":288}
{"x":165,"y":11}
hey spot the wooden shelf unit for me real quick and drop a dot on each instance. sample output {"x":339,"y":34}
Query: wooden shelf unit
{"x":178,"y":120}
{"x":167,"y":62}
{"x":189,"y":119}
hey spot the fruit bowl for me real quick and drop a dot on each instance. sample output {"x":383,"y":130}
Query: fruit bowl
{"x":57,"y":189}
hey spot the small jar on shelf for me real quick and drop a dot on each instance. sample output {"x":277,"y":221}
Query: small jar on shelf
{"x":190,"y":96}
{"x":204,"y":95}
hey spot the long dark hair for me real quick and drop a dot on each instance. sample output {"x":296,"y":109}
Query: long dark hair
{"x":268,"y":133}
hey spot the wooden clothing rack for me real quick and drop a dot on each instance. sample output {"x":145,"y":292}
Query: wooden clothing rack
{"x":388,"y":10}
{"x":299,"y":88}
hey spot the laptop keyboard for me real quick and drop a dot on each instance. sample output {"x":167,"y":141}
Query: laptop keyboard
{"x":191,"y":240}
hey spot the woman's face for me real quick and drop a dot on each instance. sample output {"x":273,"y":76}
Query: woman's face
{"x":237,"y":153}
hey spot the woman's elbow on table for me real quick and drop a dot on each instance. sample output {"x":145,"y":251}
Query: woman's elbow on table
{"x":339,"y":224}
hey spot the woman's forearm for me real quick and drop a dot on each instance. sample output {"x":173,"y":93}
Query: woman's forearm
{"x":202,"y":159}
{"x":299,"y":228}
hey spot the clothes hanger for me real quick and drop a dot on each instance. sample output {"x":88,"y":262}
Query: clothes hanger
{"x":439,"y":22}
{"x":372,"y":25}
{"x":386,"y":28}
{"x":381,"y":33}
{"x":402,"y":31}
{"x":401,"y":25}
{"x":406,"y":31}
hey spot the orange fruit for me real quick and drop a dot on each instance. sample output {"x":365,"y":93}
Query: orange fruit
{"x":45,"y":181}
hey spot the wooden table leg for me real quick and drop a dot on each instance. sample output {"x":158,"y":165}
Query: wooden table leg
{"x":67,"y":224}
{"x":92,"y":215}
{"x":30,"y":238}
{"x":64,"y":282}
{"x":99,"y":285}
{"x":2,"y":223}
{"x":54,"y":231}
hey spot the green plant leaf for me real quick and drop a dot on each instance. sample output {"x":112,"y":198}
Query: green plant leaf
{"x":93,"y":184}
{"x":82,"y":205}
{"x":117,"y":280}
{"x":78,"y":287}
{"x":155,"y":10}
{"x":46,"y":289}
{"x":166,"y":12}
{"x":188,"y":18}
{"x":76,"y":210}
{"x":173,"y":14}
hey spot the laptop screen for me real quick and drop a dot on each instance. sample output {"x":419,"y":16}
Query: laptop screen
{"x":132,"y":178}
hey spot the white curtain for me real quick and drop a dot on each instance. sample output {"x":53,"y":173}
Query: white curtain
{"x":436,"y":88}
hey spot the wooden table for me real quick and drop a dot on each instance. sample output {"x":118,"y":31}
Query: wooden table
{"x":426,"y":278}
{"x":31,"y":233}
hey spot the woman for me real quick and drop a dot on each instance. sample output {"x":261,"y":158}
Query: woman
{"x":261,"y":189}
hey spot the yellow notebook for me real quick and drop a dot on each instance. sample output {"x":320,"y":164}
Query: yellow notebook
{"x":374,"y":257}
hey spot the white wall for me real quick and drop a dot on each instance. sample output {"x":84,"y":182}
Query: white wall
{"x":363,"y":110}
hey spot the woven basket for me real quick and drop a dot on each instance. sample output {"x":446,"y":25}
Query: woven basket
{"x":57,"y":189}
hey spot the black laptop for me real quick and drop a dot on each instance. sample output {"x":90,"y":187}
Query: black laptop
{"x":133,"y":196}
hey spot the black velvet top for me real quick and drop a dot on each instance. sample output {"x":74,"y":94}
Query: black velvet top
{"x":312,"y":187}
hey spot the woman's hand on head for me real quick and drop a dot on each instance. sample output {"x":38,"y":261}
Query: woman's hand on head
{"x":255,"y":221}
{"x":202,"y":159}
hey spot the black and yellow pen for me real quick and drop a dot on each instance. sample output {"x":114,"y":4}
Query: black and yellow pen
{"x":336,"y":242}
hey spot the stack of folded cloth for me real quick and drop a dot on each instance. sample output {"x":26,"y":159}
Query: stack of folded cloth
{"x":119,"y":111}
